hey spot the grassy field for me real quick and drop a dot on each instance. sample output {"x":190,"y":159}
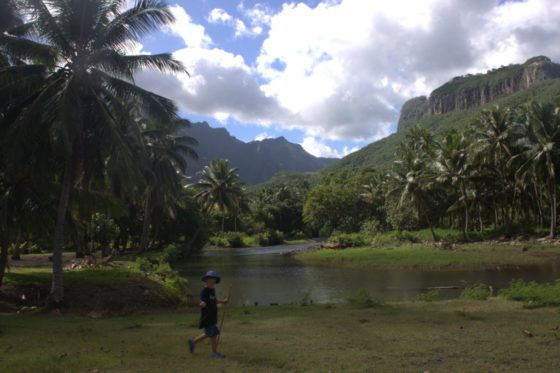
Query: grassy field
{"x":423,"y":256}
{"x":466,"y":336}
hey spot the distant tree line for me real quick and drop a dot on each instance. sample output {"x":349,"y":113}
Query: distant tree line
{"x":501,"y":172}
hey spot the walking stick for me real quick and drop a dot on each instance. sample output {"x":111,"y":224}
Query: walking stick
{"x":223,"y":318}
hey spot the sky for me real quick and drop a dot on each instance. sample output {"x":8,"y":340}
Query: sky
{"x":332,"y":75}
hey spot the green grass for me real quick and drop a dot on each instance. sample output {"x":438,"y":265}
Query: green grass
{"x":423,"y":256}
{"x":102,"y":276}
{"x":532,"y":294}
{"x":411,"y":337}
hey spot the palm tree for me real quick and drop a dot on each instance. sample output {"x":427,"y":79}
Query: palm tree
{"x":220,"y":187}
{"x":84,"y":90}
{"x":453,"y":168}
{"x":413,"y":180}
{"x":165,"y":169}
{"x":494,"y":135}
{"x":541,"y":150}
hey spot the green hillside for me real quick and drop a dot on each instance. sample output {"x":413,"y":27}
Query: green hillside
{"x":380,"y":154}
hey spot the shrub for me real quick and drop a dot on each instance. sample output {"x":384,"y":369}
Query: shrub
{"x":532,"y":294}
{"x":144,"y":265}
{"x":350,"y":239}
{"x":270,"y":238}
{"x":171,"y":254}
{"x":234,"y":239}
{"x":477,"y":291}
{"x":363,"y":299}
{"x":395,"y":238}
{"x":371,"y":227}
{"x":218,"y":241}
{"x":428,"y":296}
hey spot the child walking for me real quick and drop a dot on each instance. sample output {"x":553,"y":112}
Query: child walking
{"x":209,"y":314}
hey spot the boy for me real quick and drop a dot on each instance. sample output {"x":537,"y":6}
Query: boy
{"x":209,"y":314}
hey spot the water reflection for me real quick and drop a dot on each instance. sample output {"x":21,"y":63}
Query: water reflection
{"x":265,"y":276}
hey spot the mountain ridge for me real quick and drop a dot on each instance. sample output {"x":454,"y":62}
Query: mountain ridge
{"x":257,"y":161}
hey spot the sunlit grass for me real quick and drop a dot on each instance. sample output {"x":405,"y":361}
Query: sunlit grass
{"x":435,"y":336}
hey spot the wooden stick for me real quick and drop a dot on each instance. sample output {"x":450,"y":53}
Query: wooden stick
{"x":223,"y":317}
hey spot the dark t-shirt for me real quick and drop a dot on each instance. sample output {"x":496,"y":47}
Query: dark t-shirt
{"x":208,"y":314}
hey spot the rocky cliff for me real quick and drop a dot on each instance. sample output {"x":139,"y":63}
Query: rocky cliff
{"x":412,"y":111}
{"x":461,"y":101}
{"x":471,"y":91}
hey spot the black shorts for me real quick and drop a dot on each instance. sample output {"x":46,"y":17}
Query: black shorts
{"x":212,"y":330}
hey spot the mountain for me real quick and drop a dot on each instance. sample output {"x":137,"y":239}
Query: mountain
{"x":257,"y":161}
{"x":457,"y":103}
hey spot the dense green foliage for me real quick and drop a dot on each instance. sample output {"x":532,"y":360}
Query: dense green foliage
{"x":104,"y":161}
{"x":476,"y":292}
{"x":501,"y":171}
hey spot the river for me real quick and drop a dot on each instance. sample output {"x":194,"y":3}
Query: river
{"x":264,"y":276}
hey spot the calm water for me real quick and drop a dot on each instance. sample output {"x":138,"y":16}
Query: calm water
{"x":265,"y":276}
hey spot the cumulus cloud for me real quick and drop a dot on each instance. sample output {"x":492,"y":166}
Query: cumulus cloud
{"x":318,"y":148}
{"x":194,"y":35}
{"x":220,"y":16}
{"x":262,"y":136}
{"x":342,"y":69}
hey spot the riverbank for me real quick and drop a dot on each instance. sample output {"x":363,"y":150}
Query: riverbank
{"x":120,"y":289}
{"x":424,"y":256}
{"x":494,"y":335}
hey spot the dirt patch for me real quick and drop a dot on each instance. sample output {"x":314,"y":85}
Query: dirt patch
{"x":40,"y":260}
{"x":137,"y":295}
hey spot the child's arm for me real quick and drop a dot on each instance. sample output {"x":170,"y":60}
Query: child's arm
{"x":224,"y":301}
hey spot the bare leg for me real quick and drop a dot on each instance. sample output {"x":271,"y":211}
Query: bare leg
{"x":200,"y":338}
{"x":214,"y":341}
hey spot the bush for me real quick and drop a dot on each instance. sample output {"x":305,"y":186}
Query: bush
{"x":218,"y":241}
{"x":171,"y":254}
{"x":234,"y":239}
{"x":350,"y":239}
{"x":363,"y":299}
{"x":477,"y":291}
{"x":395,"y":238}
{"x":270,"y":238}
{"x":372,"y":227}
{"x":144,"y":265}
{"x":532,"y":294}
{"x":428,"y":296}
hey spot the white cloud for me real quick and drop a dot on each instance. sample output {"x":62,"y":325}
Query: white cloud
{"x":218,"y":15}
{"x":194,"y":35}
{"x":319,"y":149}
{"x":262,"y":136}
{"x":342,"y":69}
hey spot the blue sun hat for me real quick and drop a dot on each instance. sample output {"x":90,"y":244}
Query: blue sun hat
{"x":211,"y":274}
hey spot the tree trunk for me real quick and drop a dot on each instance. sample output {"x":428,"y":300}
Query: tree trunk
{"x":56,"y":296}
{"x":539,"y":204}
{"x":481,"y":224}
{"x":466,"y":207}
{"x":223,"y":224}
{"x":3,"y":259}
{"x":146,"y":224}
{"x":434,"y":236}
{"x":17,"y":254}
{"x":553,"y":211}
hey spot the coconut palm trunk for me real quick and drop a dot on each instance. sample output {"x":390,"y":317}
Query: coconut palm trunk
{"x":466,"y":207}
{"x":146,"y":224}
{"x":17,"y":250}
{"x":57,"y":287}
{"x":3,"y":259}
{"x":553,"y":209}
